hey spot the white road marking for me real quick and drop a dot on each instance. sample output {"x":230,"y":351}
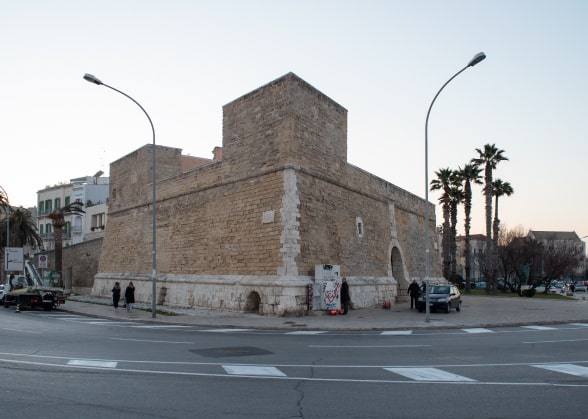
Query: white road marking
{"x":160,"y":326}
{"x":260,"y":372}
{"x":396,"y":332}
{"x":580,"y":324}
{"x":428,"y":374}
{"x":152,"y":341}
{"x":253,"y":370}
{"x":225,"y":330}
{"x":539,"y":327}
{"x":368,"y":346}
{"x":477,"y":330}
{"x":88,"y":363}
{"x":556,"y":341}
{"x":20,"y":330}
{"x":306,"y":332}
{"x":570,"y":369}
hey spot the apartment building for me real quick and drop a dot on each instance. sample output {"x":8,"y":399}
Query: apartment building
{"x":92,"y":192}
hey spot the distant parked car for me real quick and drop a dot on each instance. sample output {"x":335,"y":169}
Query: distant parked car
{"x":2,"y":293}
{"x":480,"y":285}
{"x":580,"y":288}
{"x":443,"y":297}
{"x":553,"y":290}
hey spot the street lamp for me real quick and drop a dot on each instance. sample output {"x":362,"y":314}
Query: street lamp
{"x":477,"y":58}
{"x":95,"y":80}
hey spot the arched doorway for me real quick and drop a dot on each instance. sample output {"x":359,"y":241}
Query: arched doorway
{"x":252,"y":303}
{"x":397,"y":265}
{"x":399,"y":273}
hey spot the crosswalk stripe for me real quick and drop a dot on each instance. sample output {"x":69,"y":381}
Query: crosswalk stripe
{"x":90,"y":363}
{"x":159,"y":326}
{"x":428,"y":374}
{"x":580,"y":324}
{"x":306,"y":332}
{"x":539,"y":327}
{"x":570,"y":369}
{"x":477,"y":330}
{"x":225,"y":330}
{"x":253,"y":370}
{"x":396,"y":332}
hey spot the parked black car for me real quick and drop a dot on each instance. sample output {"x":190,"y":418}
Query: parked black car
{"x":441,"y":297}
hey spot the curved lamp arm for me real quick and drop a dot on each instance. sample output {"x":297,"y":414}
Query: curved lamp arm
{"x":477,"y":59}
{"x":93,"y":79}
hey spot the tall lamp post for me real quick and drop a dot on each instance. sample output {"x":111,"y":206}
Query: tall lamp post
{"x":477,"y":58}
{"x":95,"y":80}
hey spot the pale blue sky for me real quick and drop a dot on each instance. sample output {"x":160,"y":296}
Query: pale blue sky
{"x":382,"y":60}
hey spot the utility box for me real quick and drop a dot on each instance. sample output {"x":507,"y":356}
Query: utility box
{"x":327,"y":287}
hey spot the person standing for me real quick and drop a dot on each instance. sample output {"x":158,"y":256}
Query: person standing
{"x":116,"y":295}
{"x":345,"y":296}
{"x":130,"y":296}
{"x":413,"y":291}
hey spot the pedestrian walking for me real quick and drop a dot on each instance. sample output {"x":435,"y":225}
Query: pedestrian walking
{"x":116,"y":295}
{"x":414,"y":292}
{"x":345,"y":296}
{"x":130,"y":296}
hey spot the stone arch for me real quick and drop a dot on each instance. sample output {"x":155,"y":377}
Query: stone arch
{"x":253,"y":302}
{"x":398,"y":269}
{"x":397,"y":265}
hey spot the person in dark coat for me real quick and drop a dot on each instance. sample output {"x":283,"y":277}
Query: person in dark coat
{"x":414,"y":291}
{"x":130,"y":296}
{"x":345,"y":296}
{"x":116,"y":295}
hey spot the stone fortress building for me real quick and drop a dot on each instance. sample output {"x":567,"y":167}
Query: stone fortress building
{"x":245,"y":230}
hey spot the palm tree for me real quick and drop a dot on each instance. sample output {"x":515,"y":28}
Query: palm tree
{"x":456,"y":198}
{"x":58,"y":220}
{"x":500,"y":189}
{"x":443,"y":183}
{"x":489,"y":157}
{"x":3,"y":197}
{"x":6,"y":211}
{"x":467,"y":175}
{"x":23,"y":229}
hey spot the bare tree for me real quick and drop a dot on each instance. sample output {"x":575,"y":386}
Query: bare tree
{"x":520,"y":255}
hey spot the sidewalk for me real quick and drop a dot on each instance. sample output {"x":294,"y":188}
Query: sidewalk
{"x":477,"y":311}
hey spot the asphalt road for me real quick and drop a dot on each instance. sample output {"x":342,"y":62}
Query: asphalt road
{"x":62,"y":365}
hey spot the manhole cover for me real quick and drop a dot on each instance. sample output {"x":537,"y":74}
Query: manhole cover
{"x":231,"y":351}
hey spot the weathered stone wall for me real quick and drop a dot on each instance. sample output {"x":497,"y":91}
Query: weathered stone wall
{"x":82,"y":259}
{"x":285,"y":122}
{"x":282,"y":200}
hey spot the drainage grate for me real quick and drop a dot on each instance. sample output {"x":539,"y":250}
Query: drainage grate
{"x":230,"y":351}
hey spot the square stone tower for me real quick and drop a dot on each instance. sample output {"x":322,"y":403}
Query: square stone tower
{"x":285,"y":123}
{"x":246,"y":230}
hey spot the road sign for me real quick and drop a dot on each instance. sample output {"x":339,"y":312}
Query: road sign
{"x":43,"y":262}
{"x":14,"y":259}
